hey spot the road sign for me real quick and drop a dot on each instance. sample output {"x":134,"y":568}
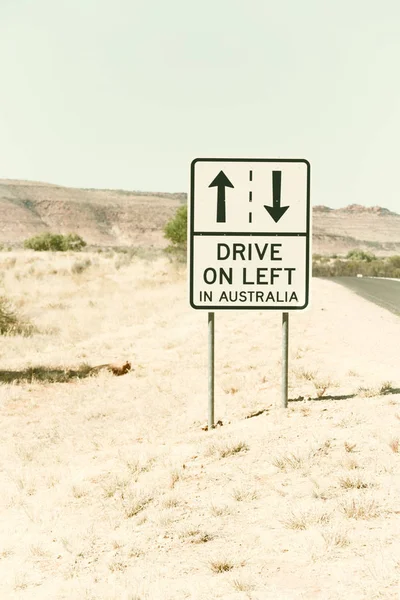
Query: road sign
{"x":249,"y":234}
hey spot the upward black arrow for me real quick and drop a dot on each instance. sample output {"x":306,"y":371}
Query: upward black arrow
{"x":221,"y":182}
{"x":276,"y":211}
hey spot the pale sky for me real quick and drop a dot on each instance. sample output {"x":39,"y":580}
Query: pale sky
{"x":125,"y":93}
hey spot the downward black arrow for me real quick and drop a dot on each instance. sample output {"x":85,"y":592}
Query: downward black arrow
{"x":221,"y":182}
{"x":276,"y":211}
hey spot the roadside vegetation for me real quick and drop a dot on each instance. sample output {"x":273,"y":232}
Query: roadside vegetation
{"x":55,"y":242}
{"x":356,"y":262}
{"x":175,"y":232}
{"x":11,"y":323}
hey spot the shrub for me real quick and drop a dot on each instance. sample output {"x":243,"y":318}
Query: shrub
{"x":55,"y":242}
{"x":394,"y":261}
{"x":72,"y":241}
{"x":80,"y":265}
{"x":176,"y":232}
{"x":10,"y":322}
{"x":360,"y":255}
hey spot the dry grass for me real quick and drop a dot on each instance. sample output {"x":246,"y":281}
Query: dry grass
{"x":386,"y":388}
{"x":349,"y":447}
{"x":115,"y":490}
{"x":300,"y":520}
{"x":196,"y":536}
{"x":321,"y":384}
{"x":355,"y":482}
{"x":221,"y":565}
{"x":394,"y":445}
{"x":361,"y":508}
{"x":222,"y":450}
{"x":240,"y":585}
{"x":244,"y":494}
{"x":288,"y":462}
{"x":135,"y":502}
{"x":350,"y":464}
{"x":367,"y":392}
{"x":219,"y":511}
{"x":336,"y":539}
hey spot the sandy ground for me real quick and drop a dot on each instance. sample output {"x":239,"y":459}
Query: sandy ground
{"x":111,"y":490}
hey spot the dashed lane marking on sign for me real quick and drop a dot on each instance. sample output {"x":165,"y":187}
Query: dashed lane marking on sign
{"x":250,"y":197}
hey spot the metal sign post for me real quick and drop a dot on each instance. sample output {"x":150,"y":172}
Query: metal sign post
{"x":211,"y":346}
{"x":249,"y":234}
{"x":285,"y":356}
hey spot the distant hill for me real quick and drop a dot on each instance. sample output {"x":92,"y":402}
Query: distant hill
{"x":101,"y":217}
{"x":370,"y":228}
{"x":119,"y":218}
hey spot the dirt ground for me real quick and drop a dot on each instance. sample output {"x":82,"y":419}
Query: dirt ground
{"x":111,"y":490}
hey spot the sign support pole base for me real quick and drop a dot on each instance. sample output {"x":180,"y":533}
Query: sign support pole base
{"x":211,"y":346}
{"x":285,"y":356}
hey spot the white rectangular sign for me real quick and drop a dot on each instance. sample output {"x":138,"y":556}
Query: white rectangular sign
{"x":249,"y":230}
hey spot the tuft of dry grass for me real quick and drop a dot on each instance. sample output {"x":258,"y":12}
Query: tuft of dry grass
{"x":290,"y":461}
{"x":394,"y":444}
{"x":221,"y":565}
{"x":78,"y":491}
{"x":321,"y":384}
{"x":117,"y":565}
{"x":135,"y":502}
{"x":175,"y":476}
{"x":386,"y":387}
{"x":20,"y":582}
{"x":367,"y":392}
{"x":350,"y":483}
{"x":37,"y":551}
{"x":219,"y":511}
{"x":196,"y":536}
{"x":170,"y":502}
{"x":336,"y":539}
{"x":137,"y":466}
{"x":135,"y":552}
{"x":114,"y":485}
{"x":244,"y":494}
{"x":361,"y":508}
{"x":239,"y":585}
{"x":350,"y":464}
{"x":349,"y":447}
{"x":223,"y":450}
{"x":301,"y":520}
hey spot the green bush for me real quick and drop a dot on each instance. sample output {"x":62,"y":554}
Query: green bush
{"x":176,"y":229}
{"x":73,"y":241}
{"x":394,"y":261}
{"x":360,"y":255}
{"x":55,"y":242}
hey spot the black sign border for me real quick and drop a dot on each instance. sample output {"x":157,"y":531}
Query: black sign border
{"x":191,"y":234}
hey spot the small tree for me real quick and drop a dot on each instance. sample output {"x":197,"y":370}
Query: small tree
{"x":176,"y":232}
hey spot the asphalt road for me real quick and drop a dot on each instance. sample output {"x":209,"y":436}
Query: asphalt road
{"x":384,"y":292}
